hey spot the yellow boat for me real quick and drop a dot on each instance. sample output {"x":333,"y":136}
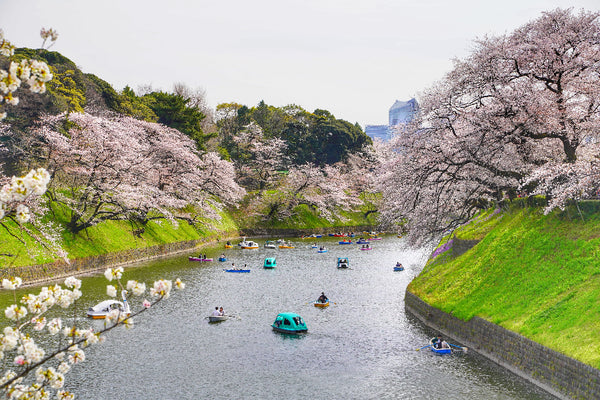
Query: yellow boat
{"x":321,"y":305}
{"x":286,"y":246}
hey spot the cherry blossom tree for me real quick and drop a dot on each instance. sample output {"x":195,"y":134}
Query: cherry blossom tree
{"x":264,"y":157}
{"x":519,"y":102}
{"x":123,"y":168}
{"x":29,"y":371}
{"x":324,"y":189}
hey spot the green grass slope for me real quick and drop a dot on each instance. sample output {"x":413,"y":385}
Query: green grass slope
{"x":537,"y":275}
{"x":108,"y":237}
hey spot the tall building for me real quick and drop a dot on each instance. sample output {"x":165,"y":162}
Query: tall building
{"x":381,"y":132}
{"x":401,"y":112}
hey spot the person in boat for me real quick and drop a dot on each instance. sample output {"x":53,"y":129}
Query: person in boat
{"x":216,"y":313}
{"x":221,"y":312}
{"x":228,"y":243}
{"x":440,"y":343}
{"x":223,"y":255}
{"x":322,"y":298}
{"x":398,"y":264}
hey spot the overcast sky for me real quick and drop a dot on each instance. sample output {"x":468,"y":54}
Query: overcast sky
{"x":353,"y":58}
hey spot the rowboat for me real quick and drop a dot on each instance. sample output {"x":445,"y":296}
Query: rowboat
{"x":345,"y":242}
{"x":222,"y":259}
{"x":321,"y":305}
{"x":228,"y":246}
{"x":217,"y":318}
{"x":442,"y":351}
{"x":289,"y":323}
{"x":374,"y":238}
{"x":236,"y":270}
{"x":286,"y":246}
{"x":398,"y":267}
{"x":361,"y":241}
{"x":269,"y":244}
{"x":199,"y":259}
{"x":366,"y":248}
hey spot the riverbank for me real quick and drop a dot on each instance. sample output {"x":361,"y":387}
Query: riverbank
{"x":57,"y":270}
{"x":529,"y":274}
{"x":557,"y":374}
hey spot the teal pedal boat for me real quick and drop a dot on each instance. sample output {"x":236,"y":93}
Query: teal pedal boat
{"x":270,"y":262}
{"x":289,"y":323}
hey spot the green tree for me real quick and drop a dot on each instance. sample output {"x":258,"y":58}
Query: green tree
{"x":172,"y":110}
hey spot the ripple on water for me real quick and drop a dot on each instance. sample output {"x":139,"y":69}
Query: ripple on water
{"x":361,"y":347}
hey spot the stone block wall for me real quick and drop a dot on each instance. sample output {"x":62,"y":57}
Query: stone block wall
{"x":554,"y":372}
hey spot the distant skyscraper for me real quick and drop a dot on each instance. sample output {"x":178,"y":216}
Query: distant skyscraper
{"x":401,"y":112}
{"x":381,"y":132}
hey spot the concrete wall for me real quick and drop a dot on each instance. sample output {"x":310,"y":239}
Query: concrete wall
{"x":556,"y":373}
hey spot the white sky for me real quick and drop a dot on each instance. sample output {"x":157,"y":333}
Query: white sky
{"x":353,"y":58}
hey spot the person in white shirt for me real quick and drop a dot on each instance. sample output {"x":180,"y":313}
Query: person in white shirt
{"x":216,"y":313}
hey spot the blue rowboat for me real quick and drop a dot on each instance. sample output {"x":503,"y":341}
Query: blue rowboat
{"x":441,"y":351}
{"x":446,"y":350}
{"x":236,"y":270}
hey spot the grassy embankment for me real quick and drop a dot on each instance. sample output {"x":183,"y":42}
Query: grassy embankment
{"x":305,"y":218}
{"x":533,"y":274}
{"x":115,"y":236}
{"x":110,"y":237}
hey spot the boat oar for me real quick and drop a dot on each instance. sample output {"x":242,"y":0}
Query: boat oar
{"x":465,"y":349}
{"x":424,"y":347}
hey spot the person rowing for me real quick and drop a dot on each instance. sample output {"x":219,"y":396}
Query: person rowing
{"x":322,"y":298}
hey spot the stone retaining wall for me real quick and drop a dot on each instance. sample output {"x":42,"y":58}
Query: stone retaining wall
{"x":554,"y":372}
{"x":59,"y":269}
